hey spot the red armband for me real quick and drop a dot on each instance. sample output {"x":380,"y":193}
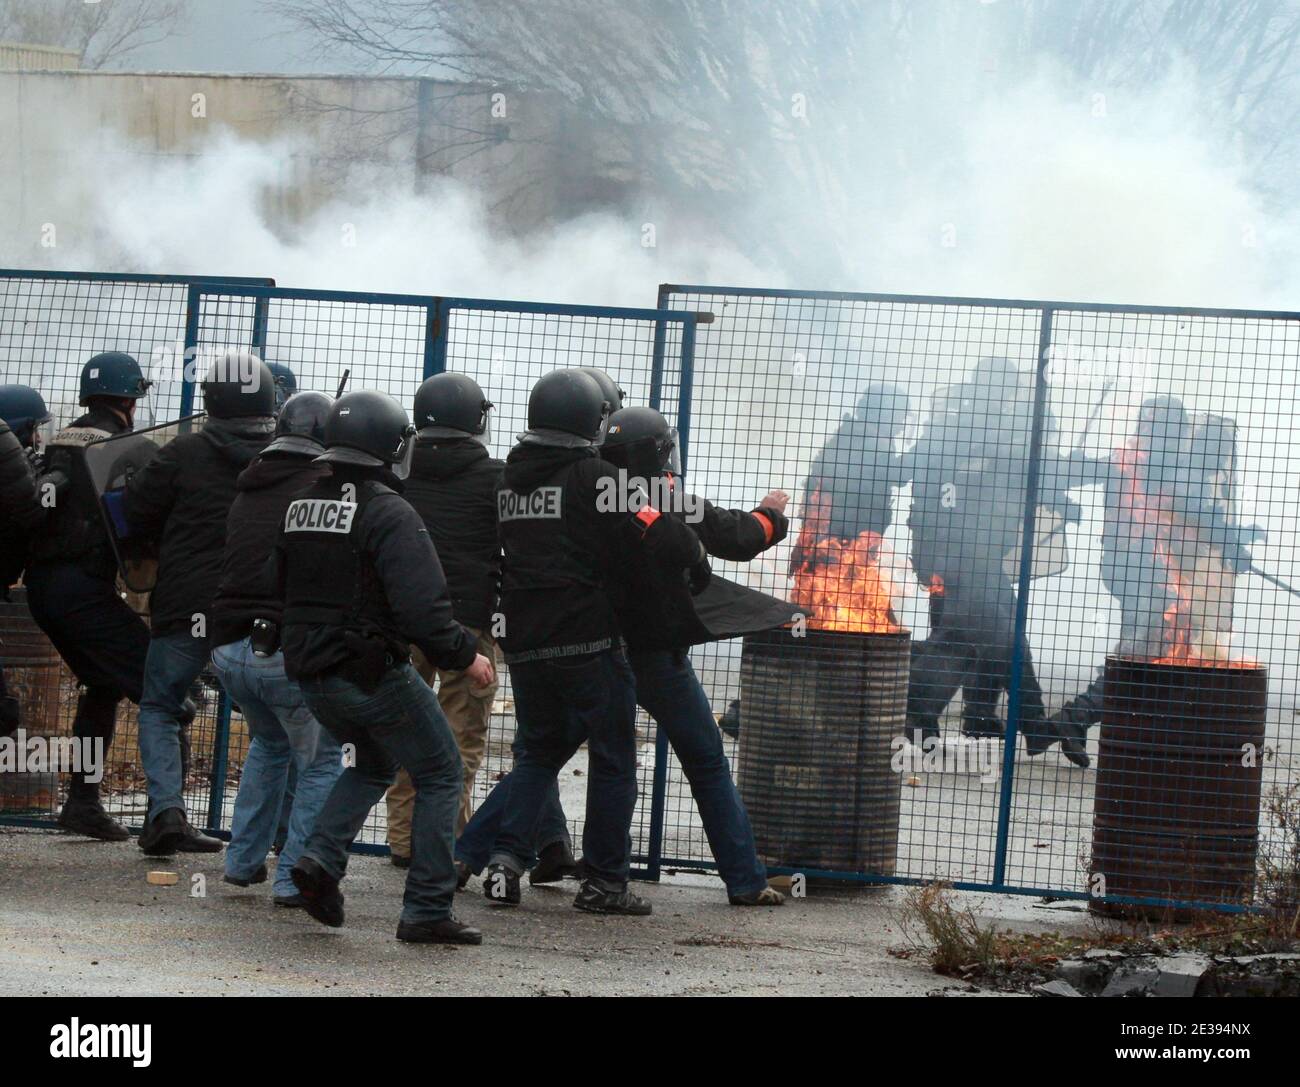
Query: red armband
{"x":769,"y":530}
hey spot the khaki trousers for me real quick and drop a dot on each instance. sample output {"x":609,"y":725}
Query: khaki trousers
{"x":467,"y":709}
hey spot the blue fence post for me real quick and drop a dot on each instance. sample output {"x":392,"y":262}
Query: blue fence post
{"x":189,"y":359}
{"x":435,"y":337}
{"x":659,"y":787}
{"x":220,"y":762}
{"x":261,"y":311}
{"x":1022,"y":599}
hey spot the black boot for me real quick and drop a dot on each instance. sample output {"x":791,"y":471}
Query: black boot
{"x":919,"y":729}
{"x":555,"y":863}
{"x":594,"y":899}
{"x":321,"y":897}
{"x":84,"y":814}
{"x":980,"y":727}
{"x":501,"y":885}
{"x":446,"y":931}
{"x":170,"y":832}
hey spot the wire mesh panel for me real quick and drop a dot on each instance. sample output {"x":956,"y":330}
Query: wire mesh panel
{"x":506,"y":350}
{"x":1163,"y":640}
{"x":925,"y":442}
{"x":50,"y":324}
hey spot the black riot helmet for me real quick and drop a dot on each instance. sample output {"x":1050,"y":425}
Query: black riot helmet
{"x":608,"y":386}
{"x":451,"y":406}
{"x":640,"y":441}
{"x":286,"y":382}
{"x":24,"y":410}
{"x":300,"y":427}
{"x":1163,"y":429}
{"x":238,"y":385}
{"x":567,"y":409}
{"x":369,"y":429}
{"x":114,"y":374}
{"x":886,"y":406}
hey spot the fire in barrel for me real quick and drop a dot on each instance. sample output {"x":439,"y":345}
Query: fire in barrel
{"x":1176,"y":813}
{"x":821,"y":704}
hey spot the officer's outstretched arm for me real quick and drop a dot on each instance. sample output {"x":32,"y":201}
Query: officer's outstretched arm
{"x":404,"y":557}
{"x":739,"y":535}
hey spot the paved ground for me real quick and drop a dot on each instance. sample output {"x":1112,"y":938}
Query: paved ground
{"x":78,"y":917}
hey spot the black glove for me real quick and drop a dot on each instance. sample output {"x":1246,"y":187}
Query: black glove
{"x":698,"y":576}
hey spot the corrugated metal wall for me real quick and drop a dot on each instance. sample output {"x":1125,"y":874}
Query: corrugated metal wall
{"x":19,"y":56}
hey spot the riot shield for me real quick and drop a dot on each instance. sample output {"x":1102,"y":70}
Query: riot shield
{"x":110,"y":464}
{"x":728,"y":610}
{"x":1051,"y":548}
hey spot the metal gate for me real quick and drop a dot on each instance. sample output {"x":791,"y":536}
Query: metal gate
{"x":778,"y":374}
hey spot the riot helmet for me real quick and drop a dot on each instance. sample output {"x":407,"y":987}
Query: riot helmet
{"x":369,"y":429}
{"x":113,"y":374}
{"x":608,"y":386}
{"x":238,"y":385}
{"x":24,"y":410}
{"x":300,"y":427}
{"x":641,"y":442}
{"x":452,"y":406}
{"x":567,"y":409}
{"x":885,"y":406}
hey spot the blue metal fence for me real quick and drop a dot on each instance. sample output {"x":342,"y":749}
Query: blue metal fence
{"x":775,"y":376}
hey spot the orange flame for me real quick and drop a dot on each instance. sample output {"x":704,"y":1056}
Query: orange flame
{"x":839,"y":583}
{"x":1183,"y":646}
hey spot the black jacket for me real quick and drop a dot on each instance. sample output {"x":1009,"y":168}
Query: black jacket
{"x":74,"y":531}
{"x":656,"y":608}
{"x":573,"y":605}
{"x":453,"y":487}
{"x":245,"y":592}
{"x":404,"y":595}
{"x":182,"y":498}
{"x":21,"y":512}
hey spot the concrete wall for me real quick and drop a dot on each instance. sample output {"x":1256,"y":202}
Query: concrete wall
{"x":535,"y":164}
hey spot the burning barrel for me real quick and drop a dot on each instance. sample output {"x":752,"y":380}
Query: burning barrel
{"x":819,"y":714}
{"x":1176,"y":814}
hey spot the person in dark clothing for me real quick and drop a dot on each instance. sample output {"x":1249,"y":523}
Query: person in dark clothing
{"x":969,"y":472}
{"x":1169,"y":545}
{"x":286,"y":383}
{"x":22,"y":414}
{"x":361,"y":584}
{"x":657,"y":615}
{"x":181,"y":499}
{"x":71,"y":580}
{"x":246,"y":611}
{"x":453,"y":487}
{"x":563,"y":551}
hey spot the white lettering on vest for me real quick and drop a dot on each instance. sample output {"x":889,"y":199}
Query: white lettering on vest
{"x":320,"y":515}
{"x":541,"y":504}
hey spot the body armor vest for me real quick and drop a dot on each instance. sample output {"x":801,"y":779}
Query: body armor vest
{"x":540,"y":551}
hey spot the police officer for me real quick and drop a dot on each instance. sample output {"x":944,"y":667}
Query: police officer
{"x":453,"y":487}
{"x":22,"y":415}
{"x":181,"y":499}
{"x":362,"y":583}
{"x":245,"y":620}
{"x":563,"y":550}
{"x":71,"y":578}
{"x":658,"y":617}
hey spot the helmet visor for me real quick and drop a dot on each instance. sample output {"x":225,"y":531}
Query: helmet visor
{"x":405,"y":454}
{"x":42,"y":435}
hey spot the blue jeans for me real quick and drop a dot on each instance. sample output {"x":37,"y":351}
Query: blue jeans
{"x":173,"y":664}
{"x":668,"y":689}
{"x":559,"y":704}
{"x":474,"y":846}
{"x":399,"y":723}
{"x":283,"y":734}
